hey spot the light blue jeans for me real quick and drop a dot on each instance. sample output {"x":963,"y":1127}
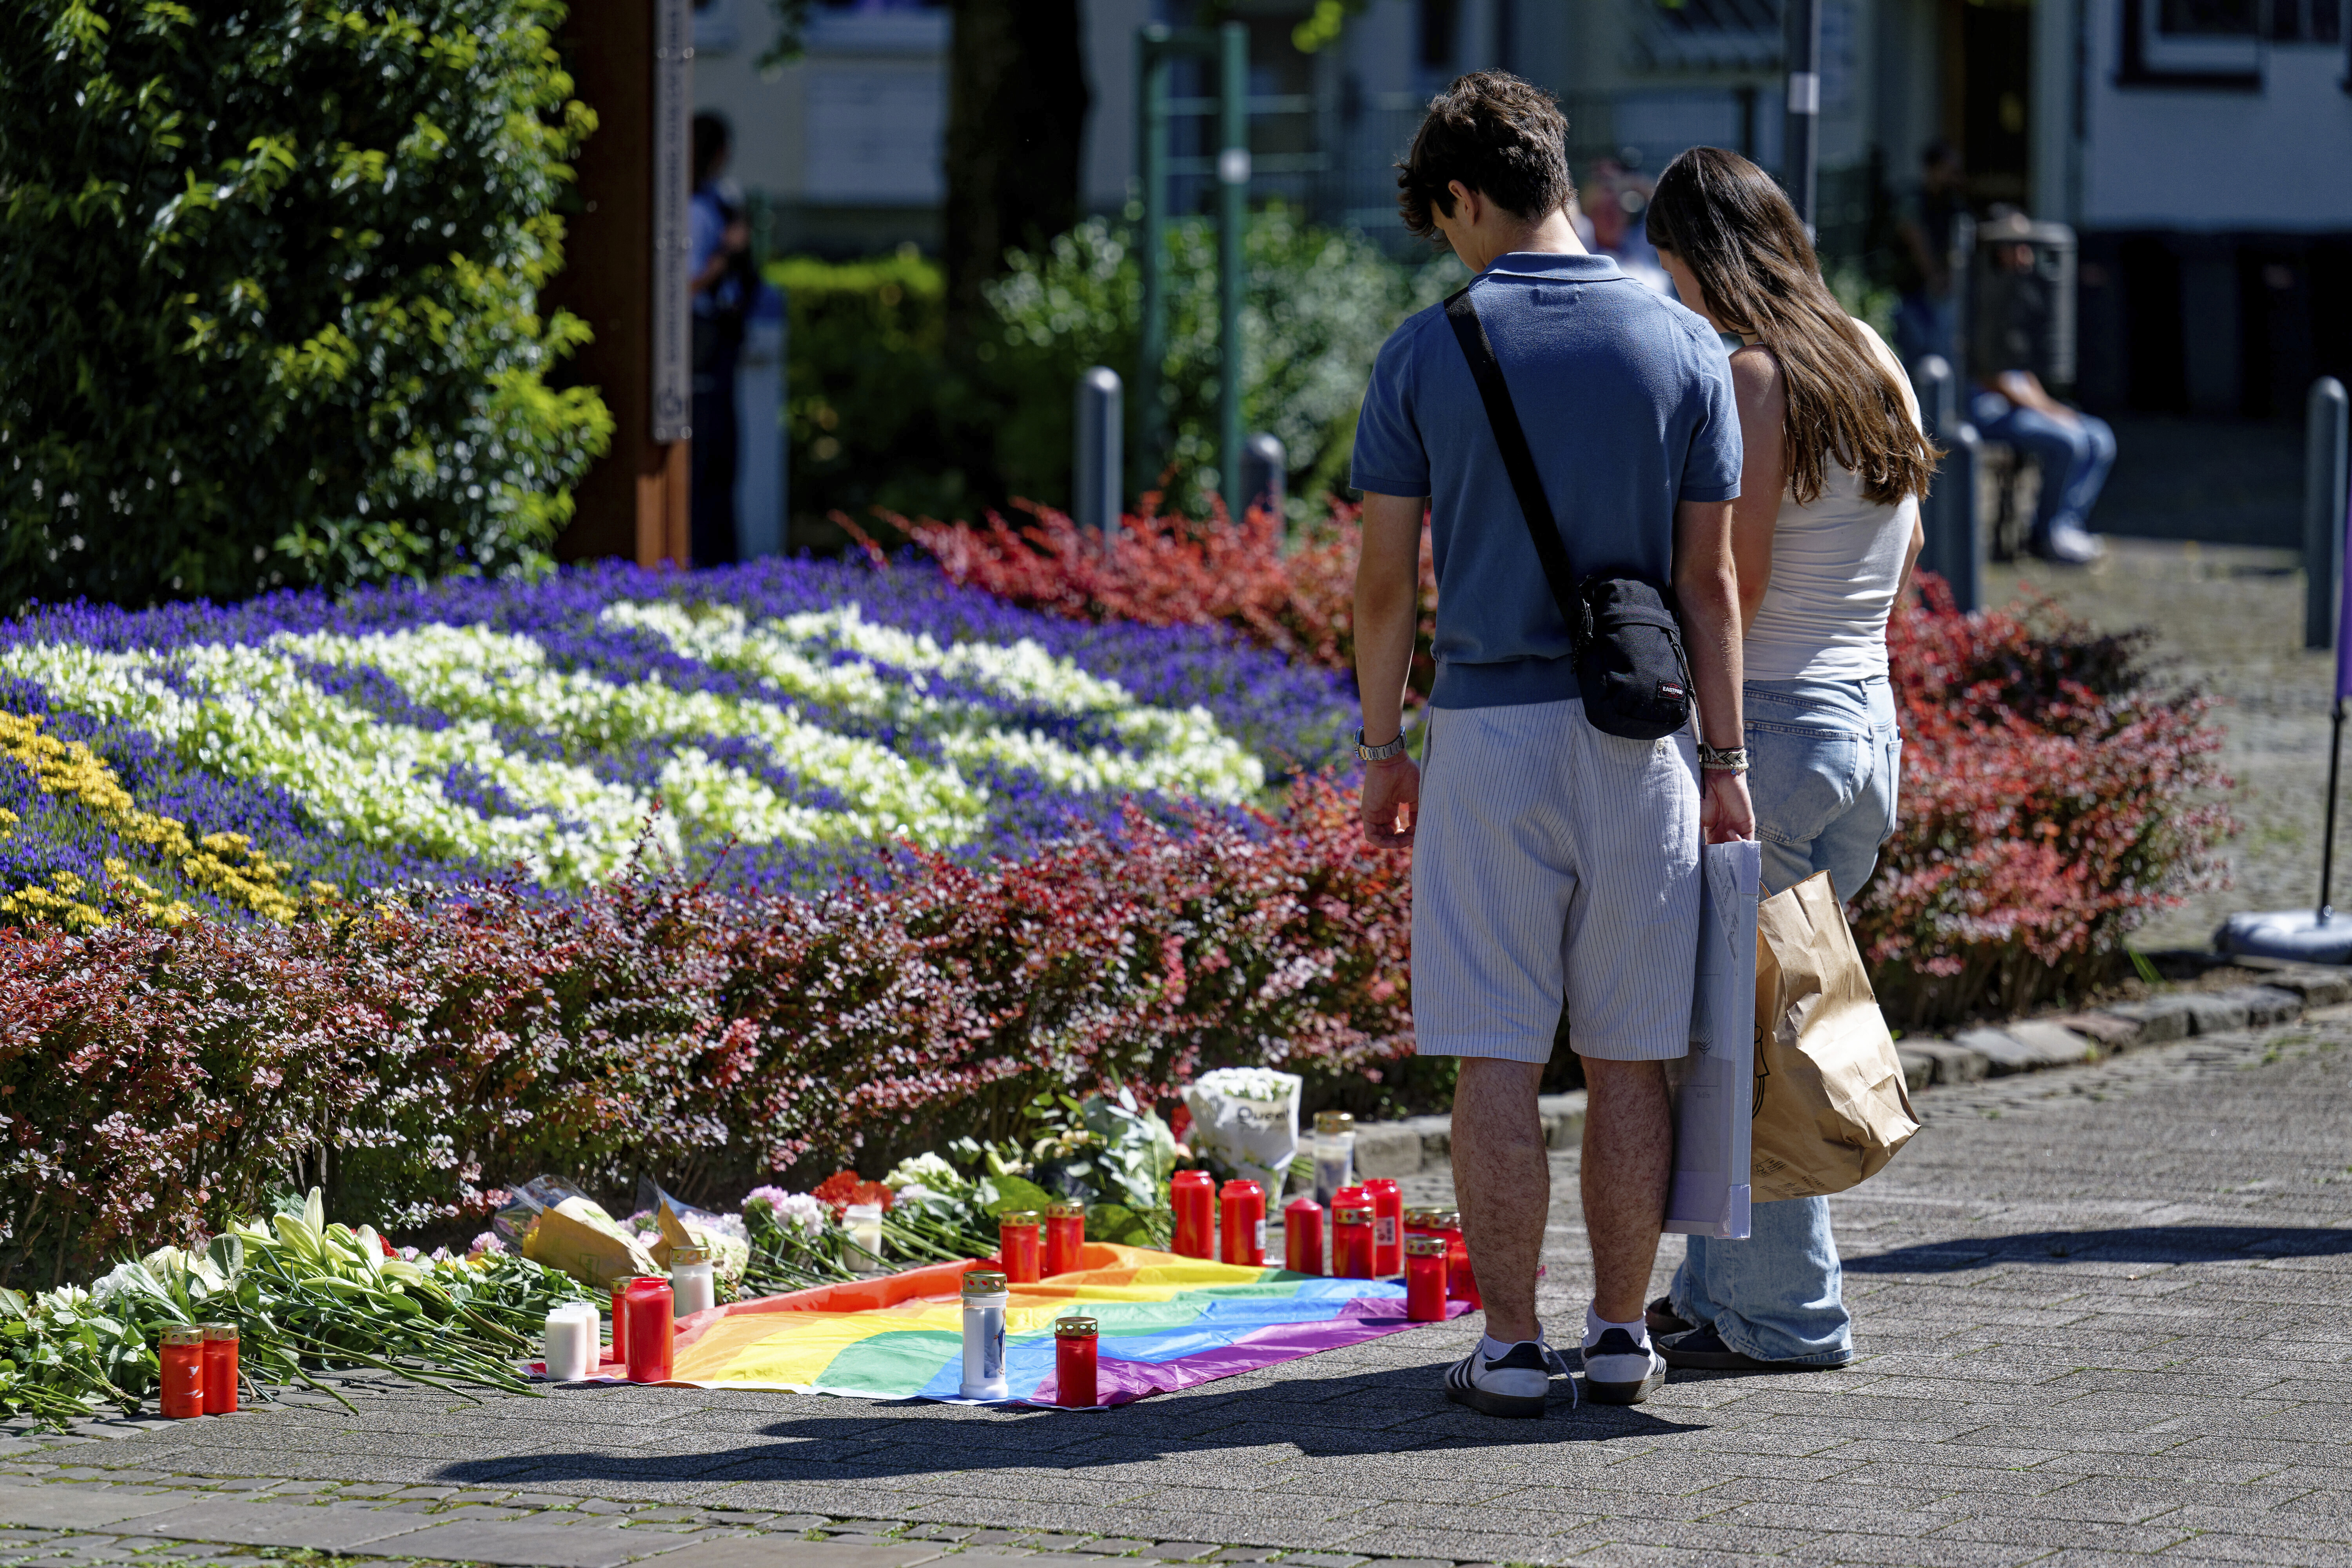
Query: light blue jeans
{"x":2074,"y":457}
{"x":1825,"y":758}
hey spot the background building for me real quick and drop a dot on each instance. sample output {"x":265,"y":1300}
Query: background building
{"x":2202,"y":149}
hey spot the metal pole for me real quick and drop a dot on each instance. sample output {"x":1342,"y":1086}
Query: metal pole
{"x":1801,"y":171}
{"x":1266,"y":474}
{"x":1095,"y":490}
{"x":1954,"y":551}
{"x":1232,"y":206}
{"x":1151,"y":163}
{"x":2326,"y":455}
{"x":2327,"y":844}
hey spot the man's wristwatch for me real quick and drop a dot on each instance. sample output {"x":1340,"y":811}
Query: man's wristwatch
{"x":1722,"y":759}
{"x":1365,"y":753}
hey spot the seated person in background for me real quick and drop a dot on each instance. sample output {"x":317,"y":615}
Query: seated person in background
{"x":2074,"y":449}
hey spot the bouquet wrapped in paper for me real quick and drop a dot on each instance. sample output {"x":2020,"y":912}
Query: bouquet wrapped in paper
{"x":1247,"y":1120}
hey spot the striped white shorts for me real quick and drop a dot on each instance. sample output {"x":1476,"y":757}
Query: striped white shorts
{"x":1553,"y":863}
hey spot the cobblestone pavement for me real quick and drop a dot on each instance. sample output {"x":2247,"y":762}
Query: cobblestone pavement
{"x":2102,"y":1315}
{"x":2228,"y":620}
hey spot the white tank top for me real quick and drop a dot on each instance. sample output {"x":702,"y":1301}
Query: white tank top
{"x":1836,"y":562}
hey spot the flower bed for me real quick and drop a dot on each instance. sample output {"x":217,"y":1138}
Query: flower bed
{"x":805,"y":714}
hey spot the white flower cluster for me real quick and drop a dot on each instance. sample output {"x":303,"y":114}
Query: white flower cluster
{"x":252,"y":712}
{"x":1176,"y":753}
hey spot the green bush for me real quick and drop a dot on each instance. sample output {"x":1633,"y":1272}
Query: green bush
{"x":864,"y":348}
{"x":268,"y":294}
{"x":871,"y":395}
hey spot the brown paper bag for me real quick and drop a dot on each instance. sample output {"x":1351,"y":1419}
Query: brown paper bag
{"x":1830,"y":1105}
{"x":591,"y":1252}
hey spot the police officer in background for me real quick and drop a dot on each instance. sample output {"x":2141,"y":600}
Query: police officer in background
{"x":723,"y":283}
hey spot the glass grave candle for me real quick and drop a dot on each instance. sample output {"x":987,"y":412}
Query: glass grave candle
{"x":1021,"y":1245}
{"x":985,"y":1299}
{"x":1193,"y":1195}
{"x":1077,"y":1338}
{"x":1302,"y":1233}
{"x":1242,"y":1219}
{"x":1388,"y":1226}
{"x":1065,"y":1237}
{"x":653,"y":1329}
{"x":1335,"y":1153}
{"x":183,"y":1355}
{"x":1351,"y":1241}
{"x":1424,"y":1279}
{"x":220,"y":1369}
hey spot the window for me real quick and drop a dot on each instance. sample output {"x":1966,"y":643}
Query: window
{"x":2306,"y":21}
{"x":1708,"y":34}
{"x":2211,"y":43}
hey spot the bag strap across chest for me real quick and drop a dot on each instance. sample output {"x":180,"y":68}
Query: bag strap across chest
{"x":1519,"y":463}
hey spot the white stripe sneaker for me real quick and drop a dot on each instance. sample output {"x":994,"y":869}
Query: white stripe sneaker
{"x":1512,"y":1384}
{"x":1620,"y":1371}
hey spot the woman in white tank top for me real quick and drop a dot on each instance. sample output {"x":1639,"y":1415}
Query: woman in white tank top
{"x":1825,"y":532}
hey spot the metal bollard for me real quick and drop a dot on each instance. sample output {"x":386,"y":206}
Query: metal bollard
{"x":2326,"y":458}
{"x":1095,"y":479}
{"x":1266,"y":474}
{"x":1953,"y":550}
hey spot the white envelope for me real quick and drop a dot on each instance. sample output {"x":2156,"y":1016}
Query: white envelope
{"x":1717,"y":1101}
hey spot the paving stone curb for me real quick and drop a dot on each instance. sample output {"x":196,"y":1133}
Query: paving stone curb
{"x":1418,"y":1143}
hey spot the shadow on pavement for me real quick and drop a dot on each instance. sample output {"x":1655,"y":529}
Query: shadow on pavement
{"x":2147,"y":1244}
{"x":1354,"y":1414}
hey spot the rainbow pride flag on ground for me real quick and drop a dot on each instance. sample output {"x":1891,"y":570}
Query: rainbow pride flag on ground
{"x":1168,"y":1322}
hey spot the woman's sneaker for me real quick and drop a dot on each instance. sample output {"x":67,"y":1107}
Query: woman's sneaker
{"x":1512,"y":1384}
{"x":1618,"y":1370}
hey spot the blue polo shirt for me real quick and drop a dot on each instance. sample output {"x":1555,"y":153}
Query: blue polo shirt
{"x":1627,"y":404}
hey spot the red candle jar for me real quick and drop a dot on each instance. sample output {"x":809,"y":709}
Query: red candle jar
{"x":653,"y":1331}
{"x":1388,"y":1226}
{"x":1065,"y":1237}
{"x":1351,"y":1241}
{"x":183,"y":1355}
{"x":220,"y":1369}
{"x":1193,"y":1195}
{"x":1416,"y":1222}
{"x":1241,"y":1215}
{"x":1461,"y":1283}
{"x":1424,"y":1279}
{"x":1076,"y":1340}
{"x":1354,"y":1197}
{"x":1020,"y":1243}
{"x":1302,"y":1231}
{"x":619,"y":1322}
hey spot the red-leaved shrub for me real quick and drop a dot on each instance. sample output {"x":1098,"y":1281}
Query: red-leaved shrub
{"x":2052,"y":801}
{"x":155,"y":1081}
{"x":1296,"y":596}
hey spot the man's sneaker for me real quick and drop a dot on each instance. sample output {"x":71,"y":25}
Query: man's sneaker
{"x":1617,"y":1370}
{"x":1703,"y":1349}
{"x":2067,"y":546}
{"x":1663,"y":1320}
{"x":1512,"y":1386}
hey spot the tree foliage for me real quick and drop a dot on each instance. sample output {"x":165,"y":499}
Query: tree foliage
{"x":269,"y":282}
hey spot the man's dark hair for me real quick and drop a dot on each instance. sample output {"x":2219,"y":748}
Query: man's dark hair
{"x":1501,"y":137}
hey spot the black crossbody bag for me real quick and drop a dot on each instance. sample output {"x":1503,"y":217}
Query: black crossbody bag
{"x":1628,"y":646}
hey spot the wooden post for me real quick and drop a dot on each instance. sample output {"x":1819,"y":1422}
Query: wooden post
{"x":625,"y":275}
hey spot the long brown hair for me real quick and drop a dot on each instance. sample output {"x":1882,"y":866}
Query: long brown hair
{"x":1728,"y":221}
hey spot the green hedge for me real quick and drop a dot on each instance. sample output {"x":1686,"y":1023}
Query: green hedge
{"x":267,"y":294}
{"x":878,"y":418}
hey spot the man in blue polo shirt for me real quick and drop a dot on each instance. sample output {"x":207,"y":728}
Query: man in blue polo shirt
{"x":1555,"y":866}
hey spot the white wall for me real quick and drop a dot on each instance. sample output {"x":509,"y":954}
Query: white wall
{"x":2206,"y":161}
